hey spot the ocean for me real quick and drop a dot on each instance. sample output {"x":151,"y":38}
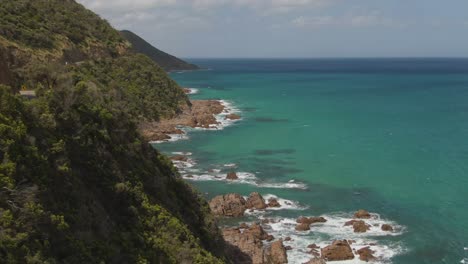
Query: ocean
{"x":331,"y":136}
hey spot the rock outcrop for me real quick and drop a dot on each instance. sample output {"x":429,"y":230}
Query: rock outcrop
{"x":272,"y":202}
{"x":359,"y":226}
{"x":387,"y":227}
{"x":246,"y":246}
{"x":302,"y":227}
{"x":276,"y":253}
{"x":179,"y":158}
{"x":231,"y":176}
{"x":339,"y":250}
{"x":366,"y":254}
{"x":231,"y":205}
{"x":255,"y":201}
{"x":362,"y":214}
{"x":310,"y":220}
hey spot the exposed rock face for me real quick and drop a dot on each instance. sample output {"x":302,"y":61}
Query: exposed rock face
{"x":387,"y":227}
{"x":362,"y":214}
{"x":272,"y":202}
{"x":231,"y":176}
{"x":256,"y":201}
{"x":201,"y":113}
{"x":339,"y":250}
{"x":247,"y":246}
{"x":276,"y":253}
{"x":302,"y":227}
{"x":231,"y":205}
{"x":359,"y":226}
{"x":316,"y":261}
{"x":244,"y":247}
{"x":257,"y":231}
{"x":232,"y":117}
{"x":366,"y":254}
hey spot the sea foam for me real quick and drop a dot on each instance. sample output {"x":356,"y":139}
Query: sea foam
{"x":323,"y":234}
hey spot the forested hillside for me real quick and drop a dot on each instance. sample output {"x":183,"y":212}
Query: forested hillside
{"x":77,"y":182}
{"x":166,"y":61}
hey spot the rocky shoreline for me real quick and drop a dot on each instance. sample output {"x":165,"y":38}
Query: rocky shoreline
{"x":204,"y":114}
{"x":253,"y":244}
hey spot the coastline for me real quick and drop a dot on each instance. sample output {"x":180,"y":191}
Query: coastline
{"x":345,"y":231}
{"x":202,"y":114}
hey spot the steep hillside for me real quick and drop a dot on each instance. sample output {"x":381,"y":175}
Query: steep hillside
{"x":78,"y":184}
{"x":166,"y":61}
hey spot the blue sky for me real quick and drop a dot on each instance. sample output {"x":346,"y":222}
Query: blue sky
{"x":295,"y":28}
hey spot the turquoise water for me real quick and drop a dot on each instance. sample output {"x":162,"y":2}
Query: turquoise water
{"x":389,"y":136}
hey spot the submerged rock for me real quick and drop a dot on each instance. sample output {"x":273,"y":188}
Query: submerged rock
{"x":232,"y":117}
{"x":363,"y":214}
{"x":255,"y":200}
{"x":231,"y":205}
{"x":231,"y":176}
{"x":339,"y":250}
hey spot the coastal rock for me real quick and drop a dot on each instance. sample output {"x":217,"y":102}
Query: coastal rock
{"x":313,"y":246}
{"x":231,"y":176}
{"x":243,"y":226}
{"x":232,"y":117}
{"x":387,"y":227}
{"x":272,"y":202}
{"x":257,"y":231}
{"x":287,"y":239}
{"x":255,"y":200}
{"x":247,"y":247}
{"x":231,"y":205}
{"x":359,"y":226}
{"x":179,"y":158}
{"x":244,"y":247}
{"x":276,"y":253}
{"x":288,"y":248}
{"x":338,"y":250}
{"x":270,"y":238}
{"x":302,"y":227}
{"x":366,"y":254}
{"x":310,"y":220}
{"x":313,"y":220}
{"x":362,"y":214}
{"x":315,"y":261}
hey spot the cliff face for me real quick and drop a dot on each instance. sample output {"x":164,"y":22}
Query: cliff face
{"x":166,"y":61}
{"x":78,"y":184}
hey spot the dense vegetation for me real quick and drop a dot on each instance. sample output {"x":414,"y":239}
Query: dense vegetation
{"x":42,"y":24}
{"x":77,"y":182}
{"x":166,"y":61}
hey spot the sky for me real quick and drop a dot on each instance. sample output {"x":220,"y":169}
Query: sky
{"x":294,"y":28}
